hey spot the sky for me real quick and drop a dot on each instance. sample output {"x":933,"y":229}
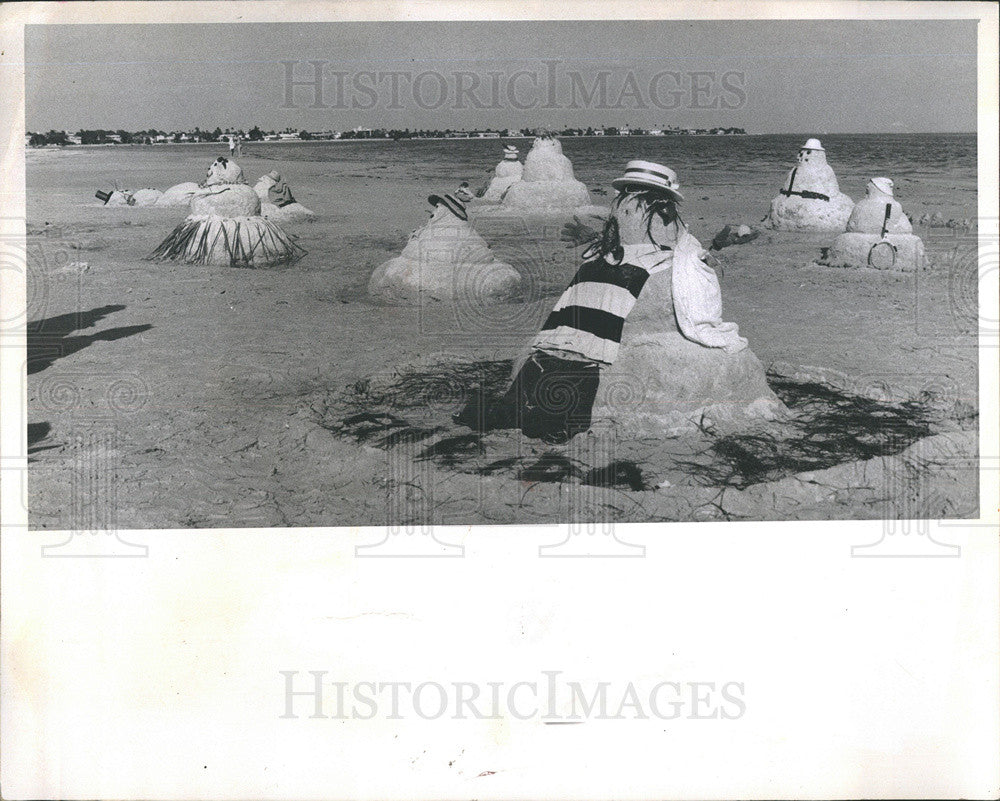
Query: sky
{"x":766,"y":77}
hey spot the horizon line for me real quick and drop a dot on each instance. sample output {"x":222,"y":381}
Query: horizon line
{"x":518,"y":134}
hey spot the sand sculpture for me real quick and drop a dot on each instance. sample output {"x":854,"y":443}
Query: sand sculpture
{"x":637,"y":341}
{"x":276,"y":201}
{"x":879,"y":234}
{"x":507,"y":172}
{"x":678,"y":360}
{"x":810,"y":198}
{"x":547,"y":184}
{"x":179,"y":194}
{"x":146,"y":197}
{"x":117,"y":197}
{"x":225,"y":226}
{"x":445,"y":260}
{"x":128,"y":197}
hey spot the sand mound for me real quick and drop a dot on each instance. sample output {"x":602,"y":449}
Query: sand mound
{"x":899,"y":252}
{"x":292,"y":213}
{"x":810,"y":199}
{"x":547,"y":183}
{"x":662,"y":381}
{"x":225,"y":229}
{"x":445,"y":260}
{"x":178,"y":195}
{"x":507,"y":173}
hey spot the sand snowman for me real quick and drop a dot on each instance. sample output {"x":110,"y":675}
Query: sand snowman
{"x":277,"y":203}
{"x":547,"y":184}
{"x":879,"y":234}
{"x":179,"y":194}
{"x":225,"y":226}
{"x":445,"y":260}
{"x":507,"y":172}
{"x":810,"y":198}
{"x":678,"y":360}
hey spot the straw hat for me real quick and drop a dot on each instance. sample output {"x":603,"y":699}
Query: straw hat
{"x":450,"y":202}
{"x":651,"y":174}
{"x":274,"y":175}
{"x":883,"y":185}
{"x":813,"y":144}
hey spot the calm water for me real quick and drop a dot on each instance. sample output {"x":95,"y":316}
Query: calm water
{"x":701,"y":160}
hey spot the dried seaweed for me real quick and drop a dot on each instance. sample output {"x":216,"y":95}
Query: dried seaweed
{"x":826,"y":427}
{"x":247,"y":244}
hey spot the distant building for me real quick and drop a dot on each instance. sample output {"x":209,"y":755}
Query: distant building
{"x":488,"y":134}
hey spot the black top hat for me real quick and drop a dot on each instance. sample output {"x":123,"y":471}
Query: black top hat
{"x":105,"y":196}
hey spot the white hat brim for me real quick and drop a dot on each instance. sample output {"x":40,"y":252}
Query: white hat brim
{"x":621,"y":183}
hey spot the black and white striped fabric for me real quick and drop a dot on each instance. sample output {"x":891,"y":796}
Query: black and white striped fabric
{"x":588,"y":319}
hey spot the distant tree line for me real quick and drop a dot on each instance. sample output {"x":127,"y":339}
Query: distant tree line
{"x":255,"y":134}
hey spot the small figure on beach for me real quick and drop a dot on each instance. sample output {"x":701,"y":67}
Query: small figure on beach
{"x":277,"y":202}
{"x":879,"y":234}
{"x":445,"y":260}
{"x":225,"y":226}
{"x":810,"y":199}
{"x":506,"y":173}
{"x":547,"y":183}
{"x":879,"y":209}
{"x":646,"y":296}
{"x":273,"y":189}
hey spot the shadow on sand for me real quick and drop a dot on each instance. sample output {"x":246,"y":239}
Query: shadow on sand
{"x":49,"y":339}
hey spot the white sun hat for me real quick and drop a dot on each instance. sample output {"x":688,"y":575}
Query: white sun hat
{"x":883,"y":185}
{"x":813,"y":144}
{"x":651,"y":174}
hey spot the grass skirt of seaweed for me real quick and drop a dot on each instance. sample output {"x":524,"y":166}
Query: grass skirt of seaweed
{"x":237,"y":242}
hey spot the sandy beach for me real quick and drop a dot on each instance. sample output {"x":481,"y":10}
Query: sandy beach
{"x":210,"y":396}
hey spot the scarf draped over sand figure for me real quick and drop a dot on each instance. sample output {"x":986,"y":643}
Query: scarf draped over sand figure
{"x":225,"y":226}
{"x":637,"y":339}
{"x":276,"y":200}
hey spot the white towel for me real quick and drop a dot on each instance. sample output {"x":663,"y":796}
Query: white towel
{"x":698,"y":299}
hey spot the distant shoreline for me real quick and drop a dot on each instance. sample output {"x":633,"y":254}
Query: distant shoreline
{"x":254,"y":143}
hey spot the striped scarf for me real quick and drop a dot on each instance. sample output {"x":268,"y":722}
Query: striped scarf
{"x":588,"y":319}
